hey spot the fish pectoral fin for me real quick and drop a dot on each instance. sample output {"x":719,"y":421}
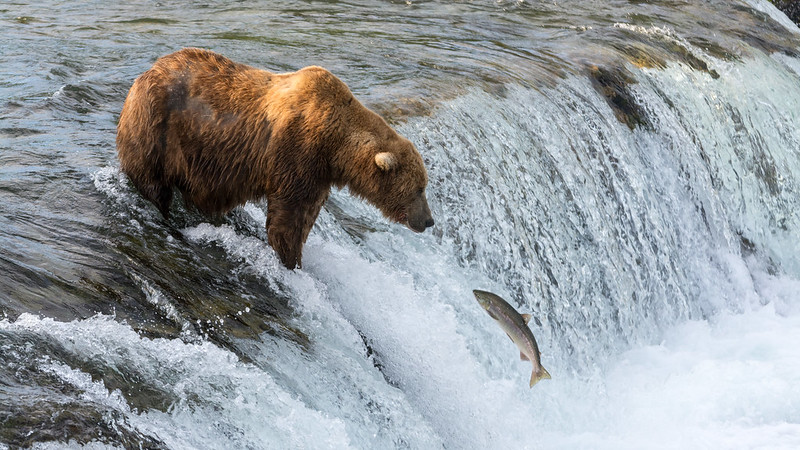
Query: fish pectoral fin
{"x":509,"y":336}
{"x":523,"y":356}
{"x":526,"y":318}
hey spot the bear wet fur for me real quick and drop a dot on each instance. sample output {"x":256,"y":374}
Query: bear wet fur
{"x":224,"y":133}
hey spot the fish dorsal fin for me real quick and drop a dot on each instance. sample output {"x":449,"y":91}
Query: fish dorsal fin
{"x":526,"y":318}
{"x":523,"y":356}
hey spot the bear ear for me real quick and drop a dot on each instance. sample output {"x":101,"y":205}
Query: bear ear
{"x":386,"y":161}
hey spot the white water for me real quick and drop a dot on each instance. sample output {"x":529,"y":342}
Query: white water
{"x":731,"y":382}
{"x":658,"y":329}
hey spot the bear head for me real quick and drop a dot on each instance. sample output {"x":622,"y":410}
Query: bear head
{"x":392,"y":176}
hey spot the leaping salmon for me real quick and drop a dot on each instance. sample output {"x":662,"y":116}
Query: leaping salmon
{"x":516,"y":327}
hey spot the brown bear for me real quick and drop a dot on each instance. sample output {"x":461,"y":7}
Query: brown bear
{"x":224,"y":133}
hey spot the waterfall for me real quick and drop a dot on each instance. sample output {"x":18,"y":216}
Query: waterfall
{"x":630,"y":178}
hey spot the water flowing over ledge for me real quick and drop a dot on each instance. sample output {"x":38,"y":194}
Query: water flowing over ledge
{"x":628,"y":173}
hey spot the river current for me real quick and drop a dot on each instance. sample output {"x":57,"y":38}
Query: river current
{"x":627,"y":172}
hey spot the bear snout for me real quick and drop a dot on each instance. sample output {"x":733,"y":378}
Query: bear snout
{"x":420,"y":225}
{"x":419,"y":215}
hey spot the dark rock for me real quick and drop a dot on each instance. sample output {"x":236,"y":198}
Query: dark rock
{"x":789,"y":7}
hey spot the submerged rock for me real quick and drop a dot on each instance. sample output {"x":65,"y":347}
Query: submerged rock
{"x":612,"y":83}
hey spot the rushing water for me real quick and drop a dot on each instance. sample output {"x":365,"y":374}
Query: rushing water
{"x":626,"y":171}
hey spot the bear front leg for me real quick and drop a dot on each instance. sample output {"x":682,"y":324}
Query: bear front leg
{"x":288,"y":225}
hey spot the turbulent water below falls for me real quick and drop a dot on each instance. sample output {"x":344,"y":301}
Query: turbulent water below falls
{"x":627,"y":172}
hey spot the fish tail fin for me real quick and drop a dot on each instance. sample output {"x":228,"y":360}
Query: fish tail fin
{"x":542,"y":374}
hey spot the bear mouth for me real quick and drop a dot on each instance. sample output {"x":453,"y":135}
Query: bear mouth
{"x":402,"y":218}
{"x":411,"y":227}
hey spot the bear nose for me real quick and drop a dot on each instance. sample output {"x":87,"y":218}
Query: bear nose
{"x":429,"y":222}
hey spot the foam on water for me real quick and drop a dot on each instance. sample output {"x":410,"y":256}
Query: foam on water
{"x":219,"y":399}
{"x":660,"y":265}
{"x":726,"y":381}
{"x":730,"y":381}
{"x":337,"y":377}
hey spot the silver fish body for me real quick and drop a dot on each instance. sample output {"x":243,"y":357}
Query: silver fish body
{"x":516,"y":327}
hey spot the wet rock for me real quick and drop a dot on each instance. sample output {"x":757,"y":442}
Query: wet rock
{"x":612,"y":84}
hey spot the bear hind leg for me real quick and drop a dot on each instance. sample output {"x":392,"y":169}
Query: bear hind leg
{"x":160,"y":195}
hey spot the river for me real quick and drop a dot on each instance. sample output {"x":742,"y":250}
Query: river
{"x":627,"y":172}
